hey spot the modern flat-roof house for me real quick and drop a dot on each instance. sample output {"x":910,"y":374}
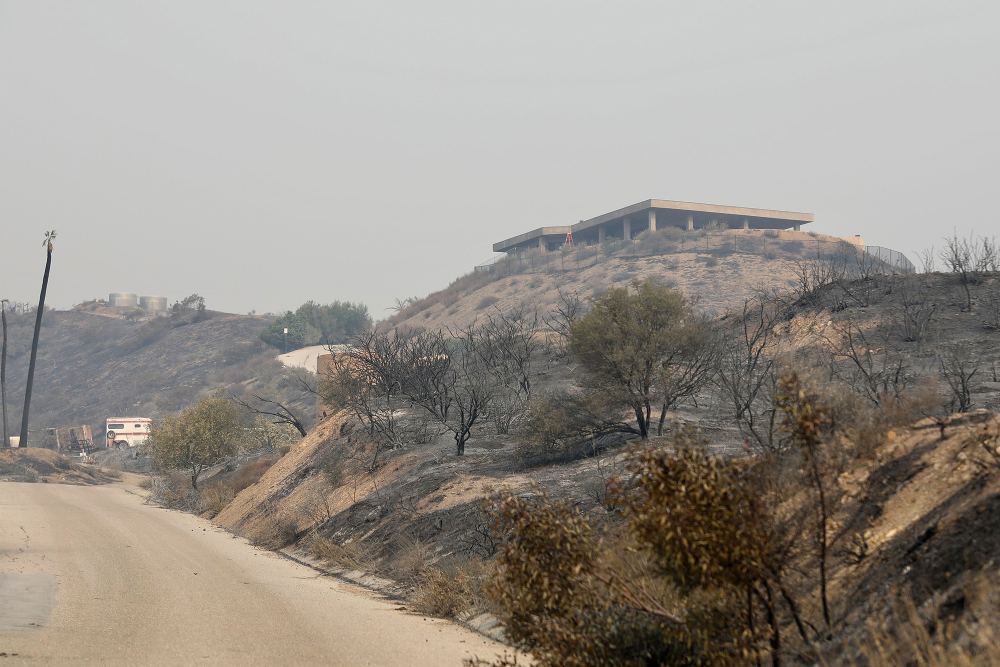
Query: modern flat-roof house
{"x":653,"y":214}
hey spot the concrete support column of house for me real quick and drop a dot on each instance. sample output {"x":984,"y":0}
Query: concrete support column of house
{"x":600,"y":234}
{"x":652,"y":220}
{"x":541,"y":243}
{"x":746,"y":224}
{"x":627,"y":229}
{"x":690,"y":226}
{"x":797,"y":228}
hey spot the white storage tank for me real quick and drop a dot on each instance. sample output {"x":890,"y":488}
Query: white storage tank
{"x":153,"y":304}
{"x":123,"y":299}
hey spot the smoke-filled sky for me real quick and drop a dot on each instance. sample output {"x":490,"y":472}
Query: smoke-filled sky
{"x":262,"y":153}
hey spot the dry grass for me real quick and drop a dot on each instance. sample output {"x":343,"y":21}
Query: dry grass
{"x":250,"y":473}
{"x":411,"y":561}
{"x":173,"y":491}
{"x":217,"y":492}
{"x":905,"y":638}
{"x":452,"y":590}
{"x":274,"y":533}
{"x":214,"y":499}
{"x":348,"y":556}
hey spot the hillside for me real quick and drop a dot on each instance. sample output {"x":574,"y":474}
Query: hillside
{"x":718,"y":268}
{"x":925,"y":504}
{"x":916,"y":489}
{"x":91,"y":366}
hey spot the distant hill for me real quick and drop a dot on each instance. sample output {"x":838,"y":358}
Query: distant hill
{"x":91,"y":366}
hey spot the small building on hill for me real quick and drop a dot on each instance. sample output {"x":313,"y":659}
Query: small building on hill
{"x":651,"y":215}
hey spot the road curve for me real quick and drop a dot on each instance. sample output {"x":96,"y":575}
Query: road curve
{"x":93,"y":575}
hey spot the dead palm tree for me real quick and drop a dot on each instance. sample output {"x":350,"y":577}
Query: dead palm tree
{"x":3,"y":373}
{"x":50,"y":236}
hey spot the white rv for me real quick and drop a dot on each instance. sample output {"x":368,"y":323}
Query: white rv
{"x":127,"y":431}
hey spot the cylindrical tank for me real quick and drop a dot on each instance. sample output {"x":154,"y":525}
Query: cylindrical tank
{"x":153,"y":304}
{"x":123,"y":299}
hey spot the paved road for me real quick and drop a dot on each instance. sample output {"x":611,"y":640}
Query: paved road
{"x":93,"y":575}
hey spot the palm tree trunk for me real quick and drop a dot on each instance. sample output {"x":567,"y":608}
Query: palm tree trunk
{"x":3,"y":376}
{"x":34,"y":348}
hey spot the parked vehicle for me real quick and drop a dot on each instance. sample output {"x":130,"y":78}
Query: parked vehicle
{"x":129,"y":432}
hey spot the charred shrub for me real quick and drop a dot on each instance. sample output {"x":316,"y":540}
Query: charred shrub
{"x":575,"y":597}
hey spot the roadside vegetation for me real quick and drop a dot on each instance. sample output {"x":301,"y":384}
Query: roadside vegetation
{"x":217,"y":435}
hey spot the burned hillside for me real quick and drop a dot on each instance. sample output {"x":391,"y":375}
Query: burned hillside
{"x":889,"y":358}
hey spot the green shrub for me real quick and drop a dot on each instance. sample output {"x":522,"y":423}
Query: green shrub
{"x":317,"y":324}
{"x":298,"y":334}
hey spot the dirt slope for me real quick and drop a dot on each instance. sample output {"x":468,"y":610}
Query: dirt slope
{"x":925,"y":507}
{"x":928,"y":511}
{"x":718,"y":268}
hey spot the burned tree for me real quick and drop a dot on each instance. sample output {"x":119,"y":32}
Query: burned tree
{"x":506,"y":346}
{"x":958,"y":364}
{"x":367,"y":380}
{"x":870,"y":368}
{"x":448,"y":379}
{"x":916,"y":311}
{"x":968,"y":258}
{"x":747,"y":373}
{"x":568,"y":309}
{"x":274,"y":411}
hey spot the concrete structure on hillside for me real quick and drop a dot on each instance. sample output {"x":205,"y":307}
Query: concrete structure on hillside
{"x":153,"y":304}
{"x":651,"y":215}
{"x":123,"y":299}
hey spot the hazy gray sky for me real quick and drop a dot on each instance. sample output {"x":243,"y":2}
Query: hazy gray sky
{"x":265,"y":153}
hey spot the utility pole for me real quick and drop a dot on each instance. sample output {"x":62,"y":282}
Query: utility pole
{"x":286,"y":340}
{"x":3,"y":374}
